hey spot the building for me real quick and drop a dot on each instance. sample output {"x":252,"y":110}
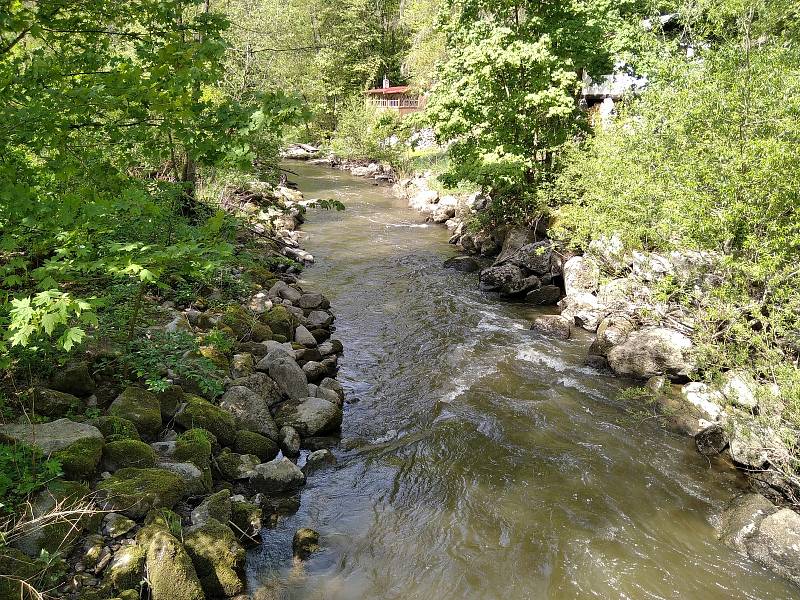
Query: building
{"x":397,"y":98}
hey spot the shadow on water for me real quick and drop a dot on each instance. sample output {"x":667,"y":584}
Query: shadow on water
{"x":482,"y":460}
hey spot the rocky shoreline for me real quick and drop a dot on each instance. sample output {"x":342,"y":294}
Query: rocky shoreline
{"x":614,"y":293}
{"x":163,"y":490}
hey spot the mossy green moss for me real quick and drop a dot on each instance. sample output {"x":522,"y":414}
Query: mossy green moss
{"x":170,"y":399}
{"x":16,"y":567}
{"x":140,"y":407}
{"x":55,"y":404}
{"x":128,"y":453}
{"x":249,"y":442}
{"x":126,"y":569}
{"x":280,"y":321}
{"x":170,"y":571}
{"x":116,"y":428}
{"x":240,"y":320}
{"x":134,"y":492}
{"x":194,"y":446}
{"x":262,"y":276}
{"x":215,"y":356}
{"x":217,"y":557}
{"x":200,"y":413}
{"x":79,"y":460}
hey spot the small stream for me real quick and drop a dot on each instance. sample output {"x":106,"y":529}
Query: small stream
{"x":481,"y":460}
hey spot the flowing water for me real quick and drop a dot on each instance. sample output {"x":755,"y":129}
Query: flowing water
{"x":482,"y":460}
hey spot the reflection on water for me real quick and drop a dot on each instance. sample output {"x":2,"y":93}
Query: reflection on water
{"x":482,"y":460}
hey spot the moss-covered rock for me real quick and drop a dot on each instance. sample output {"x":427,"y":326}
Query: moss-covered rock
{"x":200,"y":413}
{"x":80,"y":459}
{"x":231,"y":466}
{"x":128,"y":453}
{"x":260,"y":332}
{"x":140,"y":407}
{"x":262,"y":276}
{"x":218,"y":558}
{"x":215,"y":356}
{"x":247,"y":520}
{"x":57,"y":536}
{"x":170,"y":572}
{"x":194,"y":446}
{"x":15,"y":568}
{"x":116,"y":428}
{"x":52,"y":403}
{"x":305,"y":542}
{"x":249,"y":442}
{"x":240,"y":320}
{"x":170,"y":400}
{"x":280,"y":321}
{"x":216,"y":506}
{"x":134,"y":492}
{"x":126,"y":569}
{"x":129,"y":595}
{"x":74,"y":379}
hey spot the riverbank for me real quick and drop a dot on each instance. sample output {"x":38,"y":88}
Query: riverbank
{"x":622,"y":297}
{"x":167,"y":482}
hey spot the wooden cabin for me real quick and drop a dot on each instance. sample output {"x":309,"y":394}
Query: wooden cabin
{"x":398,"y":98}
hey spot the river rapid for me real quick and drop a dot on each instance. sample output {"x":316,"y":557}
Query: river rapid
{"x":482,"y":460}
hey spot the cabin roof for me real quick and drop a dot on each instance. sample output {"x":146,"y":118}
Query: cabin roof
{"x":397,"y":89}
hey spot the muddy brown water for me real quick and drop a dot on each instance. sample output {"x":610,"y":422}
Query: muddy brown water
{"x":485,"y":461}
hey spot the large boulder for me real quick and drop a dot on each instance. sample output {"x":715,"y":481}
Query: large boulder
{"x":705,"y":398}
{"x":134,"y":492}
{"x":547,"y":295}
{"x":740,"y":389}
{"x":52,"y":403}
{"x":465,"y":264}
{"x":74,"y":379}
{"x":610,"y":253}
{"x":140,"y":407}
{"x":216,"y":506}
{"x":277,"y":476}
{"x":126,"y":569}
{"x":649,"y":266}
{"x":218,"y":558}
{"x":261,"y":384}
{"x":583,"y":309}
{"x":612,"y":331}
{"x":127,"y":453}
{"x":581,"y":274}
{"x":515,"y":238}
{"x":170,"y":572}
{"x":200,"y":413}
{"x":251,"y":410}
{"x":653,"y":351}
{"x":535,"y":257}
{"x":310,"y":416}
{"x":249,"y":442}
{"x":231,"y":466}
{"x":553,"y":325}
{"x":280,"y":320}
{"x":507,"y":279}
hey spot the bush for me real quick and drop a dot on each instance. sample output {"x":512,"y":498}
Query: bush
{"x":365,"y":133}
{"x":23,"y":472}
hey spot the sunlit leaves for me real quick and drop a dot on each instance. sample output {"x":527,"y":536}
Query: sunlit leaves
{"x":45,"y":314}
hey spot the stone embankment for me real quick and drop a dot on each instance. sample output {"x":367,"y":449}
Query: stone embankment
{"x":617,"y":294}
{"x":164,"y":490}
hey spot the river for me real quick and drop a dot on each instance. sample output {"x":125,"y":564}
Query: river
{"x":481,"y":460}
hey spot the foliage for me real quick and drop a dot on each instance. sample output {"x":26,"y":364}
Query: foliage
{"x":506,"y":99}
{"x":153,"y":358}
{"x":365,"y":133}
{"x":23,"y":471}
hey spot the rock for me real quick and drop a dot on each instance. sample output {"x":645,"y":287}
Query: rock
{"x":610,"y":253}
{"x":741,"y":519}
{"x":310,"y":416}
{"x":194,"y":446}
{"x":196,"y":482}
{"x":305,"y":543}
{"x":218,"y":558}
{"x":314,"y":371}
{"x":170,"y":400}
{"x":711,"y":441}
{"x":231,"y":466}
{"x":313,"y":301}
{"x":127,"y":453}
{"x":740,"y":389}
{"x":547,"y":295}
{"x":78,"y":446}
{"x":705,"y":398}
{"x":140,"y":407}
{"x":751,"y":443}
{"x":423,"y":199}
{"x":38,"y":533}
{"x":649,"y":266}
{"x":246,"y":518}
{"x":251,"y":410}
{"x":291,"y":294}
{"x":259,"y":303}
{"x":553,"y":326}
{"x":319,"y":318}
{"x":318,"y":460}
{"x":443,"y":213}
{"x":330,"y":347}
{"x":52,"y":403}
{"x":616,"y":295}
{"x":116,"y":525}
{"x":280,"y":320}
{"x":116,"y":428}
{"x":74,"y":379}
{"x":289,"y":441}
{"x":515,"y":238}
{"x":248,"y":442}
{"x":581,"y":275}
{"x":612,"y":331}
{"x":242,"y":365}
{"x":583,"y":309}
{"x":328,"y":394}
{"x":126,"y":569}
{"x":507,"y":279}
{"x":134,"y":492}
{"x":305,"y":355}
{"x":333,"y":385}
{"x":776,"y":544}
{"x":17,"y":568}
{"x":199,"y":413}
{"x":695,"y":267}
{"x":291,"y":379}
{"x":277,"y":476}
{"x":535,"y":257}
{"x":216,"y":506}
{"x":303,"y":336}
{"x":262,"y":385}
{"x":653,"y":351}
{"x":465,"y":264}
{"x":179,"y":323}
{"x":170,"y":572}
